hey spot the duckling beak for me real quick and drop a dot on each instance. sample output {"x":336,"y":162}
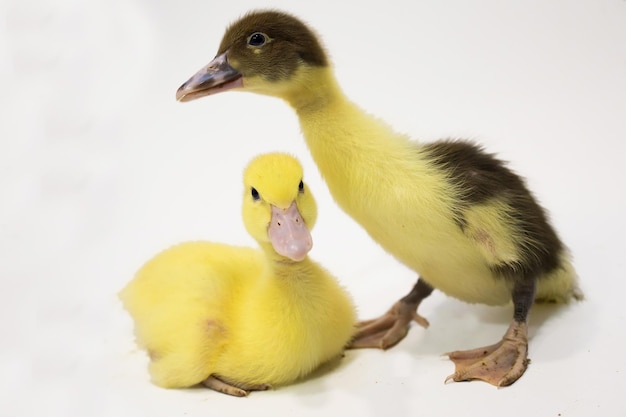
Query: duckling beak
{"x":214,"y":78}
{"x":289,"y":235}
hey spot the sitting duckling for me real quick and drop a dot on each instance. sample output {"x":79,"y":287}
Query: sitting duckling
{"x":450,"y":211}
{"x":240,"y":319}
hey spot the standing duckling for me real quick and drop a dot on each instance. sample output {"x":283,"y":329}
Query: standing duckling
{"x":240,"y":319}
{"x":450,"y":211}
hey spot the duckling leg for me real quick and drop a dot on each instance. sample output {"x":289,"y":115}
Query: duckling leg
{"x":237,"y":390}
{"x":505,"y":362}
{"x":387,"y":330}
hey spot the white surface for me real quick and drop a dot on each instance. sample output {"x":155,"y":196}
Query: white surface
{"x":100,"y":168}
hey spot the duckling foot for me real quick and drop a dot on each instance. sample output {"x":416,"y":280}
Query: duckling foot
{"x":238,"y":390}
{"x":501,"y":364}
{"x":387,"y":330}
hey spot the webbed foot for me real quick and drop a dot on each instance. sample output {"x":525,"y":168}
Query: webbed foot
{"x":387,"y":330}
{"x":500,"y":364}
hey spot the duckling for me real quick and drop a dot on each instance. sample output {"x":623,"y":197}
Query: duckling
{"x":239,"y":319}
{"x":455,"y":214}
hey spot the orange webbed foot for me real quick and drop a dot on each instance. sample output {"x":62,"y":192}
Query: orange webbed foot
{"x":500,"y":364}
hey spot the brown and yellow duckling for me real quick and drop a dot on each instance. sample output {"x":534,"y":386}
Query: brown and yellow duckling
{"x":450,"y":211}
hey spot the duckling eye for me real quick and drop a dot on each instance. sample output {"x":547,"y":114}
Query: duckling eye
{"x":301,"y":187}
{"x":257,"y":39}
{"x":255,"y":194}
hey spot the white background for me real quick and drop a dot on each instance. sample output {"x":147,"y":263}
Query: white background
{"x":100,"y":168}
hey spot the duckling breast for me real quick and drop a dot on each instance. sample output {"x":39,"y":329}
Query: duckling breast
{"x":303,"y":322}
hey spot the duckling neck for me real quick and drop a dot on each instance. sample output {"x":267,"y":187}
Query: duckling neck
{"x":288,"y":269}
{"x":311,"y":89}
{"x":288,"y":280}
{"x":285,"y":268}
{"x":347,"y":144}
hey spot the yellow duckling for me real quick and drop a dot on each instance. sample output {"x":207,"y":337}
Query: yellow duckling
{"x":450,"y":211}
{"x":240,"y":319}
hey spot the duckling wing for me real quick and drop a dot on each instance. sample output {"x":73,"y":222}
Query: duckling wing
{"x":496,"y":210}
{"x":180,"y":303}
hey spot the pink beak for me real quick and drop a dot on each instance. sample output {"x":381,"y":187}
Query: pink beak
{"x":289,"y":235}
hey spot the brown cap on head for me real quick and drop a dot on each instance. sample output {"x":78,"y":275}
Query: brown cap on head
{"x":267,"y":46}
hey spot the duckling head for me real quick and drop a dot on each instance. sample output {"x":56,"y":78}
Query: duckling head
{"x":263,"y":52}
{"x":278,"y":209}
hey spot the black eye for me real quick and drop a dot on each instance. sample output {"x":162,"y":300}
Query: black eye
{"x":254,"y":193}
{"x":301,"y":187}
{"x":257,"y":39}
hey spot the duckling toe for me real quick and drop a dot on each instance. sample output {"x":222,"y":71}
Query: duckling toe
{"x":500,"y":364}
{"x":236,"y":390}
{"x":224,"y":387}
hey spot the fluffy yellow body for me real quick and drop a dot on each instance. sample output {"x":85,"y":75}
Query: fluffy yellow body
{"x":204,"y":309}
